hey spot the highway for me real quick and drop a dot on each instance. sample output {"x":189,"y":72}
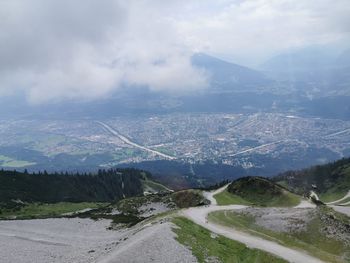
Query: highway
{"x":131,"y":143}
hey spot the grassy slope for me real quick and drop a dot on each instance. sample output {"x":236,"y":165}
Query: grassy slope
{"x":205,"y":245}
{"x":310,"y":240}
{"x":226,"y":198}
{"x":42,"y":210}
{"x":257,"y":191}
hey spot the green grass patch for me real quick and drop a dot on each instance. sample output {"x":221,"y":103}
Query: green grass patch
{"x":226,"y":198}
{"x":310,"y":240}
{"x":43,"y":210}
{"x":204,"y":245}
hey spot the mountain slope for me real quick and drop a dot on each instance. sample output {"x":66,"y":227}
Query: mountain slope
{"x":314,"y":70}
{"x":299,"y":61}
{"x":332,"y":181}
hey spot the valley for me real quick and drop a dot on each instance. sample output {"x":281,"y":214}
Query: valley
{"x":261,"y":143}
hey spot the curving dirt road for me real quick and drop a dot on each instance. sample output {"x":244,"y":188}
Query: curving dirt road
{"x":339,"y":200}
{"x":199,"y":216}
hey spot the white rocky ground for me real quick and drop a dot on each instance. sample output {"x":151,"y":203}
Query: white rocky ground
{"x":153,"y":244}
{"x":56,"y":240}
{"x":85,"y":240}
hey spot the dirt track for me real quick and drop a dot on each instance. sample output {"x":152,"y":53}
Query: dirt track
{"x":199,"y":216}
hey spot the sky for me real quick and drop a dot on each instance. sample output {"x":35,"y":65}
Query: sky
{"x":85,"y":49}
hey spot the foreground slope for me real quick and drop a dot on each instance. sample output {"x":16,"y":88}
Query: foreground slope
{"x":157,"y":235}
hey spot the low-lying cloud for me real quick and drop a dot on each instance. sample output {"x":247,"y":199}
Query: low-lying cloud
{"x":85,"y":49}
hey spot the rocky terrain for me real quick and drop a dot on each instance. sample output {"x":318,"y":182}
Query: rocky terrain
{"x":86,"y":240}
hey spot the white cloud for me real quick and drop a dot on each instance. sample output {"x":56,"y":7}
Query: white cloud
{"x":87,"y":48}
{"x":250,"y":31}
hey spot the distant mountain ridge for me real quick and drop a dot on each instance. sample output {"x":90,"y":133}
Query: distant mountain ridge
{"x":320,"y":71}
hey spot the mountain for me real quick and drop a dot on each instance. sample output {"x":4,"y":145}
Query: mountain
{"x":310,"y":66}
{"x":340,"y":75}
{"x":300,"y":61}
{"x":331,"y":181}
{"x":226,"y":76}
{"x":314,"y":70}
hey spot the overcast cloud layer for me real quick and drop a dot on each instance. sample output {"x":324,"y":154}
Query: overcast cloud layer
{"x":53,"y":50}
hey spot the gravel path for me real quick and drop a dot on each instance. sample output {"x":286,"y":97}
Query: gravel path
{"x":199,"y":216}
{"x":339,"y":200}
{"x":210,"y":195}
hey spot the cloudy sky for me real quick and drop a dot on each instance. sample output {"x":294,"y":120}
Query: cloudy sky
{"x":59,"y":49}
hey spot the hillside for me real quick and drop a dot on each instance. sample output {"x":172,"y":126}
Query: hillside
{"x":331,"y":181}
{"x":261,"y":192}
{"x":105,"y":186}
